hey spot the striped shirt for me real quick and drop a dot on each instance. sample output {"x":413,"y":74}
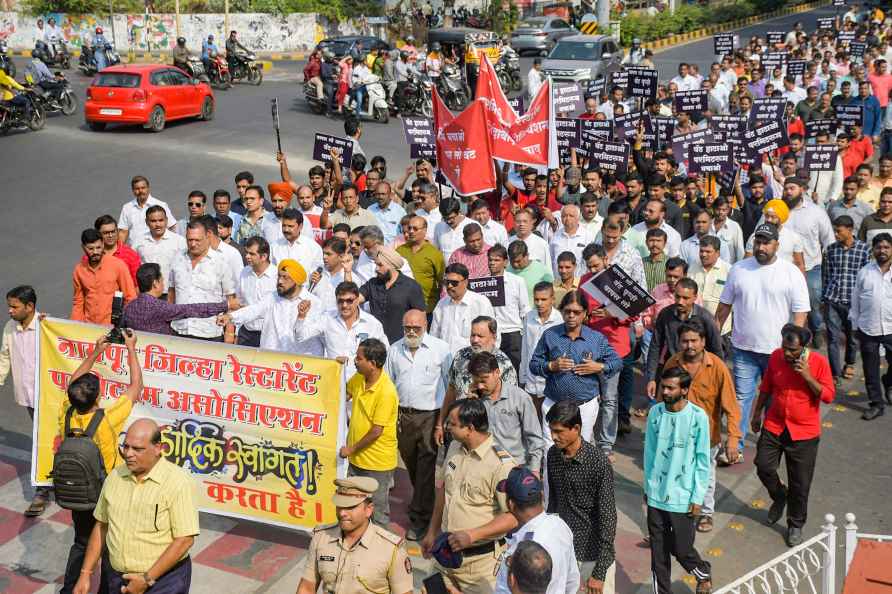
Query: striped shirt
{"x":144,"y":516}
{"x":654,"y":271}
{"x":840,"y":270}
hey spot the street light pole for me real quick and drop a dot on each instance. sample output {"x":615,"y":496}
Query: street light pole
{"x":225,"y":19}
{"x":177,"y":8}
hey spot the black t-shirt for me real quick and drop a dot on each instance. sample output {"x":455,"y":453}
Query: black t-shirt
{"x":389,"y":305}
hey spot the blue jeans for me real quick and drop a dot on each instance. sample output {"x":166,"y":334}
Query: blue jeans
{"x":813,"y":280}
{"x":609,"y":413}
{"x":748,"y":369}
{"x":839,"y":327}
{"x":708,"y":508}
{"x":626,"y":387}
{"x":359,"y":95}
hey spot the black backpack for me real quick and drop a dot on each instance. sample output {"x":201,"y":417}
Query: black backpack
{"x":78,"y":469}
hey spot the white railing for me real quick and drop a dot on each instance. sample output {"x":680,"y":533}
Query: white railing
{"x":808,"y":567}
{"x":852,"y":537}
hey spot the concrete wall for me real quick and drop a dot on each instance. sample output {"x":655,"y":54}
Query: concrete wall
{"x":260,"y":32}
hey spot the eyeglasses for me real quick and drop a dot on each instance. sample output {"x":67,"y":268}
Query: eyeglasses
{"x":413,"y":329}
{"x":450,"y":282}
{"x":195,"y":204}
{"x":573,"y":312}
{"x":346,"y":301}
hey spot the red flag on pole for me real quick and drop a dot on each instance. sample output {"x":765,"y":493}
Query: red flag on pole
{"x":463,"y":152}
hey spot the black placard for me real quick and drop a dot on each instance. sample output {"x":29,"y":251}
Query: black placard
{"x":620,"y":78}
{"x":596,"y":129}
{"x":422,"y":151}
{"x":857,"y":49}
{"x":567,"y":134}
{"x":728,"y":128}
{"x":743,"y":156}
{"x":845,"y":37}
{"x":594,"y":88}
{"x":826,"y":23}
{"x":518,"y":105}
{"x":418,"y":130}
{"x":767,"y":108}
{"x":642,"y":82}
{"x":491,"y":287}
{"x":681,"y":143}
{"x":775,"y":37}
{"x":795,"y":67}
{"x":821,"y":157}
{"x":609,"y":156}
{"x":814,"y":127}
{"x":774,"y":60}
{"x":325,"y":142}
{"x":839,"y":2}
{"x":626,"y":125}
{"x":658,"y":132}
{"x":849,"y":115}
{"x":567,"y":98}
{"x":709,"y":157}
{"x":618,"y":292}
{"x":723,"y":43}
{"x":691,"y":100}
{"x":767,"y":136}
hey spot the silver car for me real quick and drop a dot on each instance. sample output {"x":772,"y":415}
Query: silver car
{"x":582,"y":57}
{"x":540,"y":34}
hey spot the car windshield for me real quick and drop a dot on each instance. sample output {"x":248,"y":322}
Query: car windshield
{"x":338,"y":47}
{"x":576,"y":50}
{"x":117,"y":79}
{"x":533,"y":23}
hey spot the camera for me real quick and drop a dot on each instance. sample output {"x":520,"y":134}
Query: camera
{"x":116,"y":334}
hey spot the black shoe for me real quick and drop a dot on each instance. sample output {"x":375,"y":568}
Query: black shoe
{"x":889,"y":395}
{"x":624,"y":428}
{"x":794,"y":536}
{"x":776,"y":511}
{"x":872,"y":413}
{"x":816,"y":341}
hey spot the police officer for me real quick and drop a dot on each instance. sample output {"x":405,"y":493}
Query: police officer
{"x":355,"y":556}
{"x":468,"y":505}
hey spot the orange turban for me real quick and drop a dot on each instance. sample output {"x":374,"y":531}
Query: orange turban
{"x":294,"y":269}
{"x":283,"y":189}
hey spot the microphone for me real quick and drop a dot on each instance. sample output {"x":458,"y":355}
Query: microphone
{"x":312,"y":284}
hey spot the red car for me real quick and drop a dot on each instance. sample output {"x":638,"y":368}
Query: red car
{"x":147,"y":94}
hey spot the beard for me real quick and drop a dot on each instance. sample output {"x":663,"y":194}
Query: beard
{"x":672,"y":400}
{"x":414,"y":342}
{"x":480,"y":349}
{"x":286,"y":293}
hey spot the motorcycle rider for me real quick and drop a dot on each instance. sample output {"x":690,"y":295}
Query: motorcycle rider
{"x":361,"y":76}
{"x":409,"y":46}
{"x":312,"y":72}
{"x":233,"y":47}
{"x":636,"y":53}
{"x":99,"y":44}
{"x":10,"y":93}
{"x":208,"y":48}
{"x":181,"y":54}
{"x":51,"y":36}
{"x":433,"y":65}
{"x":329,"y":73}
{"x":42,"y":76}
{"x":388,"y":75}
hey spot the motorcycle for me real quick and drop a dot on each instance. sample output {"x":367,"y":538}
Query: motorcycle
{"x":317,"y":104}
{"x":218,"y":73}
{"x":375,"y":105}
{"x":245,"y":67}
{"x":508,"y":71}
{"x":452,"y":87}
{"x":194,"y":67}
{"x":6,"y":63}
{"x":13,"y":116}
{"x":87,"y":62}
{"x":60,"y":98}
{"x":54,"y":54}
{"x":414,"y":96}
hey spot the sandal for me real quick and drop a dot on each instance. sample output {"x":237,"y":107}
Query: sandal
{"x":848,"y":372}
{"x":639,"y":412}
{"x":704,"y":587}
{"x":37,"y":507}
{"x":705,"y":524}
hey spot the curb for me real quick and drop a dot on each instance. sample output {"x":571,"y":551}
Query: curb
{"x":164,"y":57}
{"x":699,"y":34}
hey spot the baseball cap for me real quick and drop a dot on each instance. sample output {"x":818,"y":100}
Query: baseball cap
{"x":443,"y":553}
{"x":353,"y":490}
{"x":521,"y":485}
{"x":767,"y":230}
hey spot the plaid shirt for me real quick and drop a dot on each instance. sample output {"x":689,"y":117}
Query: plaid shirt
{"x":840,"y":270}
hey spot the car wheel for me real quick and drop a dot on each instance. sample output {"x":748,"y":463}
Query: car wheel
{"x":207,"y":109}
{"x":96,"y":126}
{"x":156,"y":119}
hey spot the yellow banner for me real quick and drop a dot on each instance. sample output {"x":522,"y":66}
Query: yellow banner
{"x":258,"y":430}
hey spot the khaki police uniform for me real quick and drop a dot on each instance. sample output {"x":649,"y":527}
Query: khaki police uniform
{"x":470,"y":478}
{"x":376,"y":563}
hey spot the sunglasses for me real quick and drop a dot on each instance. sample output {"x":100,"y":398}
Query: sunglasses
{"x":452,"y":282}
{"x":195,"y":204}
{"x":346,"y":301}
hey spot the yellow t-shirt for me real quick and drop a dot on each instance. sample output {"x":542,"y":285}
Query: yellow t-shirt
{"x":106,"y":436}
{"x":373,"y":405}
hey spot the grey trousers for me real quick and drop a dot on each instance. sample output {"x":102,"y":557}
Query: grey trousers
{"x":381,"y":498}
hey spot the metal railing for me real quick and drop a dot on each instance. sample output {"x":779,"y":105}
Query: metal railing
{"x":808,"y":567}
{"x":853,"y":536}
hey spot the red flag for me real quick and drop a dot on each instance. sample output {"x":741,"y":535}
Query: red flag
{"x":489,"y":90}
{"x":463,"y":153}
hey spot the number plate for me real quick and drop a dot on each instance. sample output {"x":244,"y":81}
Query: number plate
{"x":110,"y":112}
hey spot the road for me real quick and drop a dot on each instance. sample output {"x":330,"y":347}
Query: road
{"x":56,"y":182}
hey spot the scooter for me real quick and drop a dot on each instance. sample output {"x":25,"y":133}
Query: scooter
{"x":375,"y":106}
{"x":87,"y":62}
{"x":54,"y":54}
{"x":194,"y":67}
{"x":6,"y":63}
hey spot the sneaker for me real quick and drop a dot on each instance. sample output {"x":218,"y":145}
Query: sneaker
{"x":414,"y":534}
{"x":723,"y":459}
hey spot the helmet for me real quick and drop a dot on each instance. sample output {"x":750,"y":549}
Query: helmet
{"x":410,"y":39}
{"x":404,"y":55}
{"x":636,"y":41}
{"x":327,"y":55}
{"x":98,"y":30}
{"x":360,"y":57}
{"x":435,"y":46}
{"x":211,"y":37}
{"x":506,"y":40}
{"x":181,"y":41}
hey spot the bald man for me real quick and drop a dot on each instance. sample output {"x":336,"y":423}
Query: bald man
{"x":150,"y":501}
{"x":571,"y":237}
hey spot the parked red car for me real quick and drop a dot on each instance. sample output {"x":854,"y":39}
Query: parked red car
{"x":147,"y":94}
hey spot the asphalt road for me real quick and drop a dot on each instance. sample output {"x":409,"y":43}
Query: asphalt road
{"x":56,"y":182}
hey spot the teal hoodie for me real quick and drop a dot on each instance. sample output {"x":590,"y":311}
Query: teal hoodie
{"x":676,"y":457}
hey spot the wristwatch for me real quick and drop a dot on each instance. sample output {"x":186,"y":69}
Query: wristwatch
{"x":149,"y":581}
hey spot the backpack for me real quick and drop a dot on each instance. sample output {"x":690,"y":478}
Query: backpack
{"x":78,"y":469}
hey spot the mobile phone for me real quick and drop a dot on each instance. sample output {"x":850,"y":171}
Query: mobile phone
{"x":435,"y":584}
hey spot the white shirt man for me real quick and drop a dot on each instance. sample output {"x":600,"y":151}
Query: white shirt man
{"x":388,"y":218}
{"x":812,"y":224}
{"x":537,"y":248}
{"x":277,"y":317}
{"x":871,"y":309}
{"x":232,"y":257}
{"x":509,"y":317}
{"x":420,"y":377}
{"x":160,"y":251}
{"x":731,"y":236}
{"x":494,"y":233}
{"x":534,"y":81}
{"x":210,"y":281}
{"x":447,"y":239}
{"x":673,"y":239}
{"x":432,"y":218}
{"x":304,"y":249}
{"x":789,"y":243}
{"x":337,"y":339}
{"x":133,"y":218}
{"x":555,"y":536}
{"x":253,"y":288}
{"x":685,"y":83}
{"x":271,"y":228}
{"x":533,"y":327}
{"x":794,"y":95}
{"x":574,"y":243}
{"x":452,"y":320}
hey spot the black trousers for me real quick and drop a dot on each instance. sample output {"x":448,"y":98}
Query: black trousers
{"x":176,"y":581}
{"x":870,"y":359}
{"x":800,"y":457}
{"x":249,"y":338}
{"x":673,"y":534}
{"x":511,"y":345}
{"x":83,"y":526}
{"x":415,"y":440}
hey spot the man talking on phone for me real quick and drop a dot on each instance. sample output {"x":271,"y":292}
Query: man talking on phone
{"x":788,"y":413}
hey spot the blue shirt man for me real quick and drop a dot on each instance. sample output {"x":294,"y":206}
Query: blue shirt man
{"x":208,"y":46}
